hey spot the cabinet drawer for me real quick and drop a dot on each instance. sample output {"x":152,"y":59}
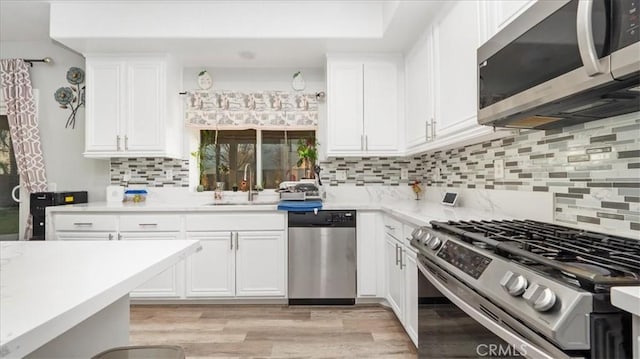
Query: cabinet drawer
{"x":149,"y":222}
{"x":392,"y":227}
{"x":85,"y":222}
{"x":235,"y":221}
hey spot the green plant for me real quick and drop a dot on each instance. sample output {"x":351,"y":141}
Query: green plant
{"x":307,"y":153}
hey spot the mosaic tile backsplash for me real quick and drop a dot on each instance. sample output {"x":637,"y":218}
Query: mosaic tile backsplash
{"x":150,"y":171}
{"x":593,"y":169}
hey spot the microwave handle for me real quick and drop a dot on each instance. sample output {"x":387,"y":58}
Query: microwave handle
{"x":586,"y":45}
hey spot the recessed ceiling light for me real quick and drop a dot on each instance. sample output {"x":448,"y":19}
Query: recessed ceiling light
{"x":247,"y":55}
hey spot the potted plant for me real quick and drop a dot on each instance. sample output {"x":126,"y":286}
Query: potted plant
{"x":307,"y":155}
{"x":204,"y":181}
{"x":235,"y":187}
{"x":223,"y":171}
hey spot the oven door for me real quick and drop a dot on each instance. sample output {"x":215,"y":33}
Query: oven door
{"x":472,"y":326}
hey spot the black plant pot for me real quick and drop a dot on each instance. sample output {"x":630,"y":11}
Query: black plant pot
{"x":235,"y":188}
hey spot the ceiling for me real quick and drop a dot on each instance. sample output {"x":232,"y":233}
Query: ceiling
{"x":298,"y":39}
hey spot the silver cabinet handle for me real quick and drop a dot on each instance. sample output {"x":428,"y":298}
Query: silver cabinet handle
{"x":389,"y":227}
{"x":118,"y":142}
{"x":126,"y":143}
{"x":110,"y":236}
{"x":231,"y":240}
{"x":402,"y":265}
{"x":366,"y":142}
{"x":148,"y":224}
{"x":586,"y":45}
{"x":83,"y":224}
{"x":237,"y":243}
{"x":426,"y":130}
{"x":397,"y":257}
{"x":433,"y":129}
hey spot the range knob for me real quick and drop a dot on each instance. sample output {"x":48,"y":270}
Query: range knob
{"x":435,"y":243}
{"x":426,"y":238}
{"x":513,"y":283}
{"x":540,"y":297}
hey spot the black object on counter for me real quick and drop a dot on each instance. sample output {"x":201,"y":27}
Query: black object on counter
{"x":39,"y":201}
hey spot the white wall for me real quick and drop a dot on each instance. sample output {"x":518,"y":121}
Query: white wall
{"x":65,"y":165}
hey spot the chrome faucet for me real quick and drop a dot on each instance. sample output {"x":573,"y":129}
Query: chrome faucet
{"x":250,"y":193}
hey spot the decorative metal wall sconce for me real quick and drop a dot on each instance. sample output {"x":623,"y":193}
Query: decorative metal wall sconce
{"x":72,"y":97}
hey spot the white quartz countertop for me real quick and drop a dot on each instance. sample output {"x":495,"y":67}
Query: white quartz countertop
{"x":416,"y":212}
{"x":48,"y":287}
{"x":626,"y":298}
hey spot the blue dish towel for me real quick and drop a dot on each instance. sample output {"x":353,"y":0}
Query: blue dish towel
{"x":299,"y":206}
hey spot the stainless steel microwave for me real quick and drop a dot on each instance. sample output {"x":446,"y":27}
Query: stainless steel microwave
{"x":560,"y":63}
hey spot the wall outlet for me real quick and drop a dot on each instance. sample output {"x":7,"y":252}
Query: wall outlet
{"x":341,"y":175}
{"x":437,"y":172}
{"x":127,"y":176}
{"x":498,"y":169}
{"x":404,"y":173}
{"x":168,"y":174}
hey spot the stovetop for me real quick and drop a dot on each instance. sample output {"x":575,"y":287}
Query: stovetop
{"x":593,"y":261}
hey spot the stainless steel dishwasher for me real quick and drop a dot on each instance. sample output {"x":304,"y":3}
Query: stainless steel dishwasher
{"x":322,"y":257}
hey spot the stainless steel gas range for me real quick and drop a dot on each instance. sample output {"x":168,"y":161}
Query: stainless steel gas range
{"x":542,"y":289}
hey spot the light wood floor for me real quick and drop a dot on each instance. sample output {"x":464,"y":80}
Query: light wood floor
{"x":272,"y":331}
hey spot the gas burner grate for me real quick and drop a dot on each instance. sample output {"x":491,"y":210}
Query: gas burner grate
{"x":569,"y":250}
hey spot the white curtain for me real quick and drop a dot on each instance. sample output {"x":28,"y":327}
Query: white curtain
{"x":23,"y":126}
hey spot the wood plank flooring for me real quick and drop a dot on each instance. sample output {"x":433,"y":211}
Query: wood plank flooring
{"x":272,"y":331}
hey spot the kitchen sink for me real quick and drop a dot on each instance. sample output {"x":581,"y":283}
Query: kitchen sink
{"x":243,"y":203}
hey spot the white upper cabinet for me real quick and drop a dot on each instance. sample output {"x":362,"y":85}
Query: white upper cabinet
{"x":364,"y":112}
{"x":131,"y":107}
{"x":441,"y":73}
{"x":499,"y":13}
{"x":455,"y":59}
{"x":420,"y":106}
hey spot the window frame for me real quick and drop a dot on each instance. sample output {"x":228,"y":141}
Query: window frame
{"x":194,"y":171}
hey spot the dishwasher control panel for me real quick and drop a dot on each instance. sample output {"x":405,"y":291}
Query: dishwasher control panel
{"x":328,"y":218}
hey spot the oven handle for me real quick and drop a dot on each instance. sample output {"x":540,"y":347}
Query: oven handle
{"x":507,"y":335}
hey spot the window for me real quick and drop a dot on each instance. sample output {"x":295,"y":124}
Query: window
{"x":274,"y":153}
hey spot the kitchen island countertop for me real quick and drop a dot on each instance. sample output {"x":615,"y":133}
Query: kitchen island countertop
{"x":48,"y":287}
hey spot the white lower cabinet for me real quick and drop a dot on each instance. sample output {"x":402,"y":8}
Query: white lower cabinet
{"x":402,"y":275}
{"x":260,"y":264}
{"x":395,"y":278}
{"x":211,"y":272}
{"x":237,"y":264}
{"x":166,"y":284}
{"x":410,"y":270}
{"x":370,"y":253}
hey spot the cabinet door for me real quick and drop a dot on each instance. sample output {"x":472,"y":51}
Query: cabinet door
{"x":105,"y":109}
{"x":420,"y":97}
{"x":261,"y":264}
{"x":165,"y":284}
{"x":145,"y":101}
{"x":380,"y":106}
{"x":395,"y":281}
{"x":455,"y":64}
{"x":211,"y":272}
{"x":366,"y":243}
{"x":345,"y":107}
{"x":85,"y":236}
{"x":410,"y":270}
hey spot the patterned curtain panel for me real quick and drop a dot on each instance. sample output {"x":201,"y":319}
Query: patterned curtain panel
{"x":273,"y":110}
{"x":23,"y":127}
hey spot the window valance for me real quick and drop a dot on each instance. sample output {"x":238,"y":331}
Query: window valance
{"x":269,"y":110}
